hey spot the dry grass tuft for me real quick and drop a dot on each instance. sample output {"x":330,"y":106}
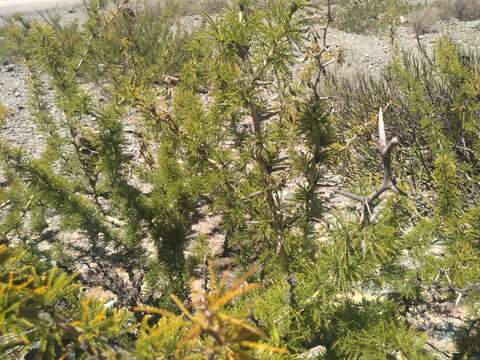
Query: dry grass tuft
{"x":195,"y":7}
{"x":3,"y":113}
{"x":423,"y":20}
{"x":464,"y":10}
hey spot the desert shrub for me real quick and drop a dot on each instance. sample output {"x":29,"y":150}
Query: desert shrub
{"x":44,"y":315}
{"x":183,"y":152}
{"x":235,"y":125}
{"x":463,"y":10}
{"x":121,"y":51}
{"x":433,"y":107}
{"x":206,"y":328}
{"x":424,"y":19}
{"x":370,"y":16}
{"x":147,"y":39}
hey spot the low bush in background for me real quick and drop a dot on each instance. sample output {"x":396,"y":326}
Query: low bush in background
{"x":423,"y":20}
{"x":370,"y":16}
{"x":463,"y":10}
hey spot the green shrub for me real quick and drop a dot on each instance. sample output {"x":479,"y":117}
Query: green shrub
{"x":225,"y":126}
{"x":44,"y":315}
{"x":433,"y":107}
{"x":89,"y":159}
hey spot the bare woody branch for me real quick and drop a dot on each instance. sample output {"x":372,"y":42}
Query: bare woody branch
{"x":460,"y":292}
{"x":318,"y":49}
{"x":369,"y":202}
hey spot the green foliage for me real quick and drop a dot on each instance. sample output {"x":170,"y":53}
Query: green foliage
{"x":373,"y":334}
{"x":42,"y":313}
{"x":159,"y":125}
{"x":206,"y":330}
{"x":433,"y":107}
{"x":85,"y":164}
{"x":446,"y":182}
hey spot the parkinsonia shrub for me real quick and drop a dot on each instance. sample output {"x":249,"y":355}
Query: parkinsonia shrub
{"x":263,"y":146}
{"x":43,"y":314}
{"x":86,"y":175}
{"x":232,"y":150}
{"x":215,"y":120}
{"x":433,"y":106}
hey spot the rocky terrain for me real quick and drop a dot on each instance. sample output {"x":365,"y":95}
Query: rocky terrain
{"x":359,"y":53}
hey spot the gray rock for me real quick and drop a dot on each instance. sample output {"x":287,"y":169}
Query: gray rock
{"x":314,"y":353}
{"x":9,"y":68}
{"x":472,"y":24}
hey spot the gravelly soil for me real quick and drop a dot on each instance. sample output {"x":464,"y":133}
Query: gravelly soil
{"x":367,"y":53}
{"x":19,"y":128}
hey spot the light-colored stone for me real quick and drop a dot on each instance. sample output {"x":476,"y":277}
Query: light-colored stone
{"x":100,"y":294}
{"x":313,"y":353}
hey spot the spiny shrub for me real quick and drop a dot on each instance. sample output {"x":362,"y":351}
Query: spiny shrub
{"x":43,"y":314}
{"x":207,"y":330}
{"x":433,"y":107}
{"x":85,"y":172}
{"x":241,"y":131}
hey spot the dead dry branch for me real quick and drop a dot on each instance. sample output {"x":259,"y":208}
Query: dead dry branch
{"x":369,"y":202}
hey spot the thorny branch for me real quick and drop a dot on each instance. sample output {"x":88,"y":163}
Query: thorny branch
{"x":369,"y":202}
{"x":460,"y":292}
{"x":318,"y":49}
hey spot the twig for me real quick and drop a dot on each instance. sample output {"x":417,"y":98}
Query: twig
{"x":444,"y":353}
{"x":461,"y":292}
{"x":5,"y":204}
{"x":318,"y":50}
{"x":389,"y":182}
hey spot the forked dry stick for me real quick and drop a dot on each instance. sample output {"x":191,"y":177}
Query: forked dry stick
{"x":369,"y":202}
{"x":318,"y":49}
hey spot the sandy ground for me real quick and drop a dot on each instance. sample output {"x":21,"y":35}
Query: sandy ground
{"x":9,"y":7}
